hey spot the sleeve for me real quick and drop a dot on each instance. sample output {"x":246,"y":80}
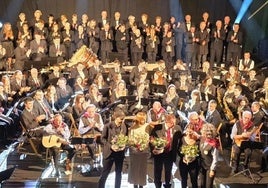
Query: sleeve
{"x":82,"y":128}
{"x":215,"y":157}
{"x":234,"y":131}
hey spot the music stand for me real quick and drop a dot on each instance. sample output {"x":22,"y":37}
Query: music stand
{"x":251,"y":145}
{"x":105,"y":92}
{"x":128,"y":99}
{"x":112,"y":56}
{"x":177,"y":73}
{"x":34,"y":64}
{"x":198,"y":75}
{"x":154,"y":88}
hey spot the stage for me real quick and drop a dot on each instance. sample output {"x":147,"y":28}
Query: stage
{"x":31,"y":171}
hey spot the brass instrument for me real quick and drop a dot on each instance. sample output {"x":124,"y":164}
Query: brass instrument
{"x":228,"y":113}
{"x":83,"y":55}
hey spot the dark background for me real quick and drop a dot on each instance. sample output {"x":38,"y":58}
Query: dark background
{"x":255,"y":29}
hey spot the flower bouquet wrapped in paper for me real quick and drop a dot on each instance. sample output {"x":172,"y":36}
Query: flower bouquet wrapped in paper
{"x":159,"y":144}
{"x":139,"y":142}
{"x":190,"y":152}
{"x":119,"y":142}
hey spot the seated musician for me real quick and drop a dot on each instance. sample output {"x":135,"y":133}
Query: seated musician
{"x":94,"y":96}
{"x":119,"y":91}
{"x":51,"y":97}
{"x":18,"y":85}
{"x":156,"y":115}
{"x":34,"y":80}
{"x":79,"y":85}
{"x":142,"y":91}
{"x":30,"y":119}
{"x":207,"y":87}
{"x":91,"y":126}
{"x":160,"y":74}
{"x":171,"y":99}
{"x":136,"y":71}
{"x":64,"y":92}
{"x":59,"y":129}
{"x":79,"y":106}
{"x":184,"y":83}
{"x":195,"y":121}
{"x":81,"y":71}
{"x":194,"y":104}
{"x":117,"y":69}
{"x":100,"y":82}
{"x":41,"y":107}
{"x":243,"y":130}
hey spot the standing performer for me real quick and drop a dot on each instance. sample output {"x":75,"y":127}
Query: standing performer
{"x":209,"y":154}
{"x":110,"y":154}
{"x":171,"y":132}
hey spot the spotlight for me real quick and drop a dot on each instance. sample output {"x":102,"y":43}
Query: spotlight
{"x":243,"y":10}
{"x":1,"y":24}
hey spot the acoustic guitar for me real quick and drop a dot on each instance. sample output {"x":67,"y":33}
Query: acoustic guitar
{"x":53,"y":141}
{"x":238,"y":141}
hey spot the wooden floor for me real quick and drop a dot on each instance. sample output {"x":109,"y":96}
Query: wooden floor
{"x":32,"y":171}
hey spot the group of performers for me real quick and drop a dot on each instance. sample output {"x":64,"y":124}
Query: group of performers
{"x":175,"y":108}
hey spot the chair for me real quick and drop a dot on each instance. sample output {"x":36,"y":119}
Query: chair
{"x":258,"y":133}
{"x":28,"y":138}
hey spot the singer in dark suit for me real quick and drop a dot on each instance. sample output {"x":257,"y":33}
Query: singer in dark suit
{"x":106,"y":38}
{"x":172,"y":132}
{"x":235,"y":41}
{"x":216,"y":48}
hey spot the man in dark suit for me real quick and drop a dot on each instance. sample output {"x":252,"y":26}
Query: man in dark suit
{"x":22,"y":54}
{"x":106,"y":38}
{"x":38,"y":48}
{"x":110,"y":154}
{"x":257,"y":114}
{"x":172,"y":132}
{"x":104,"y":19}
{"x":29,"y":118}
{"x":213,"y":116}
{"x":191,"y":47}
{"x":57,"y":50}
{"x":41,"y":107}
{"x":122,"y":41}
{"x":64,"y":92}
{"x":216,"y":47}
{"x":34,"y":80}
{"x":235,"y":41}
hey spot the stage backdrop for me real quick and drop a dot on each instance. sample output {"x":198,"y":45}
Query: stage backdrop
{"x":254,"y":29}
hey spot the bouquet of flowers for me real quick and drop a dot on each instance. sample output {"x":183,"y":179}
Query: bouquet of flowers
{"x":119,"y":142}
{"x":159,"y":144}
{"x":139,"y":142}
{"x":189,"y":152}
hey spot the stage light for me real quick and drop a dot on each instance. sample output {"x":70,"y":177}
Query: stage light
{"x":243,"y":10}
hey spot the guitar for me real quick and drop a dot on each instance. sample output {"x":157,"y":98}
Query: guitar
{"x":238,"y":141}
{"x":53,"y":141}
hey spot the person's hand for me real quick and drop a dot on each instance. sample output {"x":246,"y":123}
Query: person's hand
{"x":211,"y":173}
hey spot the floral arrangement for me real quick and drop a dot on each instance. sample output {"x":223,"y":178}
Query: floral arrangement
{"x":119,"y":142}
{"x":158,"y":143}
{"x":139,"y":142}
{"x":190,"y":152}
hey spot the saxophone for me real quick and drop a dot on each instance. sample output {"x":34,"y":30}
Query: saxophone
{"x":228,"y":113}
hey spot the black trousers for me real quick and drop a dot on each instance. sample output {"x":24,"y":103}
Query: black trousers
{"x":192,"y":169}
{"x":164,"y":159}
{"x":116,"y":158}
{"x":206,"y":180}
